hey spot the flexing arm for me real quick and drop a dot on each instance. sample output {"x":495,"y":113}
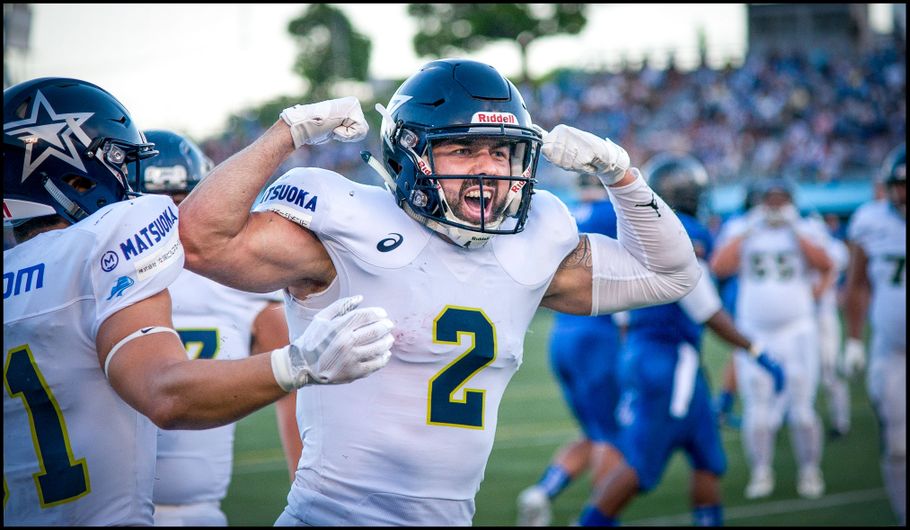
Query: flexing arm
{"x":653,"y":260}
{"x":261,"y":251}
{"x":153,"y":375}
{"x":270,"y":331}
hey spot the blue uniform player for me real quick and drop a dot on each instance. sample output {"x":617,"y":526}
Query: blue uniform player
{"x":666,"y":399}
{"x":583,"y":357}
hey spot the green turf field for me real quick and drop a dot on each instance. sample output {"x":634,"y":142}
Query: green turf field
{"x":534,"y":421}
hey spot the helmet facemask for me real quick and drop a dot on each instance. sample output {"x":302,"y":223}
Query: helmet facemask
{"x":485,"y":204}
{"x":470,"y":105}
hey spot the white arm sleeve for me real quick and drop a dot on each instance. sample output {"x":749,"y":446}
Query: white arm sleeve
{"x":651,"y":263}
{"x":702,"y":302}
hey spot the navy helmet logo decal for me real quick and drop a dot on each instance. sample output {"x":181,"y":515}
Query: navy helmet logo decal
{"x":56,"y":131}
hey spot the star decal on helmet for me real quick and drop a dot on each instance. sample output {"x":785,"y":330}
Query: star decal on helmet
{"x":54,"y":132}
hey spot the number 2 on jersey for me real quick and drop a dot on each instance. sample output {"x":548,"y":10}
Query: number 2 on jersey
{"x":61,"y":478}
{"x":443,"y":408}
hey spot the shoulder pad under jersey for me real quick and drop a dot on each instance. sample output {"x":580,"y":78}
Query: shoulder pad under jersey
{"x":136,"y":252}
{"x":360,"y":219}
{"x":533,"y":255}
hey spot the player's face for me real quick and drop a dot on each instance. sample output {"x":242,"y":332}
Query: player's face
{"x":775,"y":200}
{"x":474,"y":157}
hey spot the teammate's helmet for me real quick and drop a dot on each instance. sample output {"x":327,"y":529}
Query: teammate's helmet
{"x":679,"y":179}
{"x":449,"y":99}
{"x":66,"y":149}
{"x":179,"y":166}
{"x":894,"y":169}
{"x":779,"y":185}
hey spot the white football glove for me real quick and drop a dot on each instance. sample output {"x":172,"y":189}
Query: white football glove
{"x":754,"y":219}
{"x":341,"y":344}
{"x":854,"y":357}
{"x":583,"y":152}
{"x":339,"y":119}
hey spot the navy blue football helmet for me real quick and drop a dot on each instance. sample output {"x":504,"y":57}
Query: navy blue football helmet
{"x":679,"y":179}
{"x":179,"y":166}
{"x":777,"y":185}
{"x":66,"y":148}
{"x":458,"y":99}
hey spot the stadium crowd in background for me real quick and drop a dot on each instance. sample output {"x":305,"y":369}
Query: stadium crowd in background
{"x":807,"y":117}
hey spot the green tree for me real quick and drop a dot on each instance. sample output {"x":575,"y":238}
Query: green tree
{"x":331,"y":50}
{"x":446,"y":29}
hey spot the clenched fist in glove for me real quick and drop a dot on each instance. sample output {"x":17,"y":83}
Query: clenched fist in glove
{"x":582,"y":152}
{"x":341,"y":344}
{"x":339,"y":119}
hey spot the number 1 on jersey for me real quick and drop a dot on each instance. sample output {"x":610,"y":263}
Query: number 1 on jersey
{"x":443,"y":408}
{"x":61,"y":478}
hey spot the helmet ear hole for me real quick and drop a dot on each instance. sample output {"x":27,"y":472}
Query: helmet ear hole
{"x":79,"y":183}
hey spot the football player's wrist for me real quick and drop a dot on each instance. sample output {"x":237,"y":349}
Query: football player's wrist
{"x":282,"y":369}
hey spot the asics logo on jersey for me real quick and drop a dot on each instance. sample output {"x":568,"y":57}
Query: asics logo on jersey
{"x":13,"y":281}
{"x":148,"y":236}
{"x":123,"y":283}
{"x":390,"y":243}
{"x":109,"y":261}
{"x":46,"y":133}
{"x":652,"y":204}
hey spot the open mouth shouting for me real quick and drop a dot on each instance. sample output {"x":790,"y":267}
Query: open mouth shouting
{"x":476,"y":202}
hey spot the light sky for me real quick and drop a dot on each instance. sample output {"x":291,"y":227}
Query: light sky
{"x":186,"y":67}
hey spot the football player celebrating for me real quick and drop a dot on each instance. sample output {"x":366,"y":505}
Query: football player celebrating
{"x":93,"y":362}
{"x":458,"y":253}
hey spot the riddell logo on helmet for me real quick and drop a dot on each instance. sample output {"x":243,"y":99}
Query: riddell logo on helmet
{"x":494,"y":117}
{"x":424,"y":167}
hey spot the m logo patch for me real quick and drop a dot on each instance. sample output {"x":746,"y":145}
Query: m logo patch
{"x":109,"y":261}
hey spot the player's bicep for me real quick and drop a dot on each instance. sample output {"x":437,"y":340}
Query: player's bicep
{"x":570,"y":289}
{"x":133,"y":369}
{"x":270,"y":253}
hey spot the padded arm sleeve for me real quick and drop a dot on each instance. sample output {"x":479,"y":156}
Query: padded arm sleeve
{"x":652,"y":262}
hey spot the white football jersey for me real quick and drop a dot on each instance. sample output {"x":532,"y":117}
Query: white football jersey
{"x":73,"y":452}
{"x":882,"y":234}
{"x":775,"y":282}
{"x":408,"y":444}
{"x":215,"y":322}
